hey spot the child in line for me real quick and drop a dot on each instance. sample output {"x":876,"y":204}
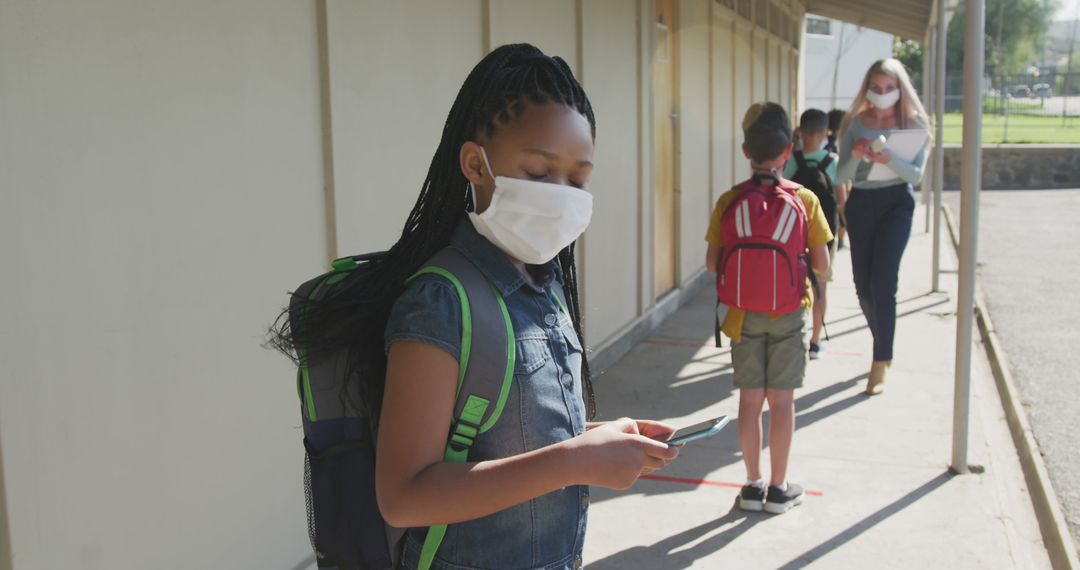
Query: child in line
{"x":814,"y":168}
{"x":520,"y":132}
{"x":762,"y":235}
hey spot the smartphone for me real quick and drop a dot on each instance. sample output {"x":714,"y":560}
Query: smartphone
{"x":698,"y":431}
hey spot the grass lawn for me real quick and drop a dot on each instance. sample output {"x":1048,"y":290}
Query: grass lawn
{"x":1022,"y":129}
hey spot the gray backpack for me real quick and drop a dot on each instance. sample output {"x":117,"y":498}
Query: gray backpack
{"x":346,"y":529}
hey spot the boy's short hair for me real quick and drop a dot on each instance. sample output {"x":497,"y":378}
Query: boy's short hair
{"x":836,"y":117}
{"x":813,"y":121}
{"x":767,"y":131}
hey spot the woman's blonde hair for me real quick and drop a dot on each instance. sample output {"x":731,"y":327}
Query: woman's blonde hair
{"x":910,"y":113}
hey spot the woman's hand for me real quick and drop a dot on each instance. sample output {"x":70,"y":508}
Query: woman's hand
{"x":860,"y":149}
{"x":616,"y":453}
{"x":882,"y":157}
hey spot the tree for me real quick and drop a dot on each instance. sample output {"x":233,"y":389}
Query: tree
{"x":910,"y":53}
{"x":1013,"y":35}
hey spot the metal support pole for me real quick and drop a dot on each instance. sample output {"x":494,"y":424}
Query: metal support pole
{"x":928,"y":101}
{"x":969,"y":213}
{"x":939,"y":140}
{"x":1068,"y":70}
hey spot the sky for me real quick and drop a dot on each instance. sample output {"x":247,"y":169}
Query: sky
{"x":1067,"y":10}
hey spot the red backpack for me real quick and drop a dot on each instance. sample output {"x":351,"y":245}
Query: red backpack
{"x":763,"y":264}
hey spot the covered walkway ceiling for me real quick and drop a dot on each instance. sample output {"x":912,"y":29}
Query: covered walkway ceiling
{"x":906,"y":18}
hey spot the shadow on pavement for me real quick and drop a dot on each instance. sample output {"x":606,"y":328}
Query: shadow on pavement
{"x":663,"y":556}
{"x":668,"y":376}
{"x":906,"y":313}
{"x":697,"y":461}
{"x":660,"y":556}
{"x":900,"y":303}
{"x":867,"y":523}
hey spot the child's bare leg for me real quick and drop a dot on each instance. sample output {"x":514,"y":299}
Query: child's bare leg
{"x":781,"y":432}
{"x":819,"y":312}
{"x":751,"y":402}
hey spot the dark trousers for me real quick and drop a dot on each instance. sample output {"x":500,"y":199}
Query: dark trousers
{"x":879,"y":221}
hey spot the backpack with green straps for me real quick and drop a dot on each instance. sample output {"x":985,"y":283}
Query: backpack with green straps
{"x":346,"y":529}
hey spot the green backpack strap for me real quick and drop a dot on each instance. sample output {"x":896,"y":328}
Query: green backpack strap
{"x":560,"y":296}
{"x":485,"y":369}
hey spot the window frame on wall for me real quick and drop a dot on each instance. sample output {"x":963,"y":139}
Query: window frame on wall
{"x":810,"y":31}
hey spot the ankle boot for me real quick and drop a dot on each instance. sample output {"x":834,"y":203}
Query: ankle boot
{"x":876,"y":383}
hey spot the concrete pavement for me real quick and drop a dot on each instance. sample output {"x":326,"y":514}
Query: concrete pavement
{"x":1023,"y":233}
{"x":880,"y":492}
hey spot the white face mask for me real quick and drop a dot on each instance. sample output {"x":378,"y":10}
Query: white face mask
{"x":529,"y":220}
{"x":883,"y":100}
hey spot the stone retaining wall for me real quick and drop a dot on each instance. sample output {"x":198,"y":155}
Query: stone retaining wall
{"x":1020,"y":166}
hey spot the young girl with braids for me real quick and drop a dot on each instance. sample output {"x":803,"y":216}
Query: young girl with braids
{"x":507,"y":188}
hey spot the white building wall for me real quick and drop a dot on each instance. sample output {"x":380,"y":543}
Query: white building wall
{"x":745,"y":91}
{"x":391,"y":88}
{"x":161,"y":179}
{"x":693,"y":159}
{"x":857,"y":49}
{"x":612,"y":258}
{"x":726,"y":143}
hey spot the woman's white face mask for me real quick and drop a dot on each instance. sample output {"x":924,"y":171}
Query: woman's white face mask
{"x":883,"y":100}
{"x":529,"y":220}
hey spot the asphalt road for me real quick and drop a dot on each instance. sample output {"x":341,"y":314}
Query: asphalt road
{"x":1029,"y":253}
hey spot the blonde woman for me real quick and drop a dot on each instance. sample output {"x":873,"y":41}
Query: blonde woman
{"x":879,"y":212}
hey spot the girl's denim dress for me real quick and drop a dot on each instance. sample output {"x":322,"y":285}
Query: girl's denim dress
{"x":545,"y":406}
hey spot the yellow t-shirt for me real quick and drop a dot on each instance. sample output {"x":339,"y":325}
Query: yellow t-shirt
{"x":819,"y":232}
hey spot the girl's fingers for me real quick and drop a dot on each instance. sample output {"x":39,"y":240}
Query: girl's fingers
{"x":625,"y":425}
{"x":653,"y":463}
{"x":658,"y":449}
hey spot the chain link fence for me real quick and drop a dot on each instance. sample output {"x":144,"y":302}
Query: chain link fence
{"x":1028,"y":108}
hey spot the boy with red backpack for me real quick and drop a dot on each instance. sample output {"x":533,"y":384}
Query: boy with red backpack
{"x":765,"y":236}
{"x":814,"y":168}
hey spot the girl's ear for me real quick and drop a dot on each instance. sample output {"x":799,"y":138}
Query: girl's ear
{"x":787,"y":151}
{"x":472,"y":162}
{"x":745,"y":152}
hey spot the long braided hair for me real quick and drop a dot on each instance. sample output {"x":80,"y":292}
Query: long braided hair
{"x":353,"y":319}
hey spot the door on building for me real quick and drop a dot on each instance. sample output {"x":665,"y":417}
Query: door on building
{"x":665,"y":116}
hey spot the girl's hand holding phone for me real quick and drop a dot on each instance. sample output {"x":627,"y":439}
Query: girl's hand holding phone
{"x":616,"y":453}
{"x":655,"y":430}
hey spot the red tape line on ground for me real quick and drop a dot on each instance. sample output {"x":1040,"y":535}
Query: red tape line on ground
{"x":666,"y":479}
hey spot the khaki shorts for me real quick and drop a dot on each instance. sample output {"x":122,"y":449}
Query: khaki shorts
{"x":772,"y":352}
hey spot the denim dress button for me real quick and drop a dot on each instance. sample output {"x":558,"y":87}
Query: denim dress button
{"x":551,"y":319}
{"x":585,"y":500}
